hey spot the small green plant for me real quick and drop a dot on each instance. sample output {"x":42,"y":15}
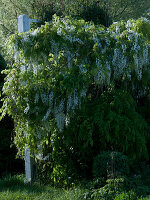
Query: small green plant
{"x":117,"y":189}
{"x":113,"y":188}
{"x":96,"y":183}
{"x":131,"y":195}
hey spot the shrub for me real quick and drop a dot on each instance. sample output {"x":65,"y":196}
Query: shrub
{"x":69,"y":91}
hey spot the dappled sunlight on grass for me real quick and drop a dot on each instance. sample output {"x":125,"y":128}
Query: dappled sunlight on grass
{"x":15,"y":188}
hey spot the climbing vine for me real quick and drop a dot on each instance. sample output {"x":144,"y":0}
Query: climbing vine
{"x":57,"y":65}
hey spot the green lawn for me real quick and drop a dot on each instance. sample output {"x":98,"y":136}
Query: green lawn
{"x":13,"y":188}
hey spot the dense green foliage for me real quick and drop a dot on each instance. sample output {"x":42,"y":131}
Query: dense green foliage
{"x":125,"y":187}
{"x":68,"y":93}
{"x":108,"y":123}
{"x":119,"y":189}
{"x":110,"y":164}
{"x":43,"y":10}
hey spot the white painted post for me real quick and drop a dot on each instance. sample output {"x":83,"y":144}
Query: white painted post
{"x":23,"y":23}
{"x":28,"y":166}
{"x":24,"y":26}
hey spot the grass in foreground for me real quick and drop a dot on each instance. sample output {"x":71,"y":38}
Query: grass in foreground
{"x":13,"y":188}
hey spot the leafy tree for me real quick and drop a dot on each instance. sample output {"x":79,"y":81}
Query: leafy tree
{"x":125,"y":9}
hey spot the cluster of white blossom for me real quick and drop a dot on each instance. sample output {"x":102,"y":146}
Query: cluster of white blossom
{"x":124,"y":48}
{"x":96,"y":40}
{"x":70,"y":58}
{"x":60,"y":119}
{"x":76,"y":99}
{"x":54,"y":48}
{"x":128,"y":25}
{"x":16,"y":55}
{"x":44,"y":97}
{"x":117,"y":30}
{"x":35,"y":69}
{"x":23,"y":83}
{"x":65,"y":24}
{"x":103,"y":72}
{"x":119,"y":63}
{"x":86,"y":26}
{"x":73,"y":100}
{"x":35,"y":32}
{"x":67,"y":120}
{"x":107,"y":72}
{"x":23,"y":68}
{"x":26,"y":110}
{"x":14,"y":97}
{"x":71,"y":28}
{"x":73,"y":39}
{"x":25,"y":39}
{"x":59,"y":110}
{"x":59,"y":31}
{"x":59,"y":115}
{"x":40,"y":154}
{"x":51,"y":96}
{"x":99,"y":43}
{"x":69,"y":103}
{"x":47,"y":99}
{"x":145,"y":54}
{"x":107,"y":41}
{"x":10,"y":79}
{"x":46,"y":115}
{"x":138,"y":61}
{"x":99,"y":77}
{"x":36,"y":99}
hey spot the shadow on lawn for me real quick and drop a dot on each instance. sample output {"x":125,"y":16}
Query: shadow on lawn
{"x":16,"y":183}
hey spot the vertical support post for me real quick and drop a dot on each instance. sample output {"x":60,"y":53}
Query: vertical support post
{"x":28,"y":166}
{"x":23,"y":23}
{"x":24,"y":26}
